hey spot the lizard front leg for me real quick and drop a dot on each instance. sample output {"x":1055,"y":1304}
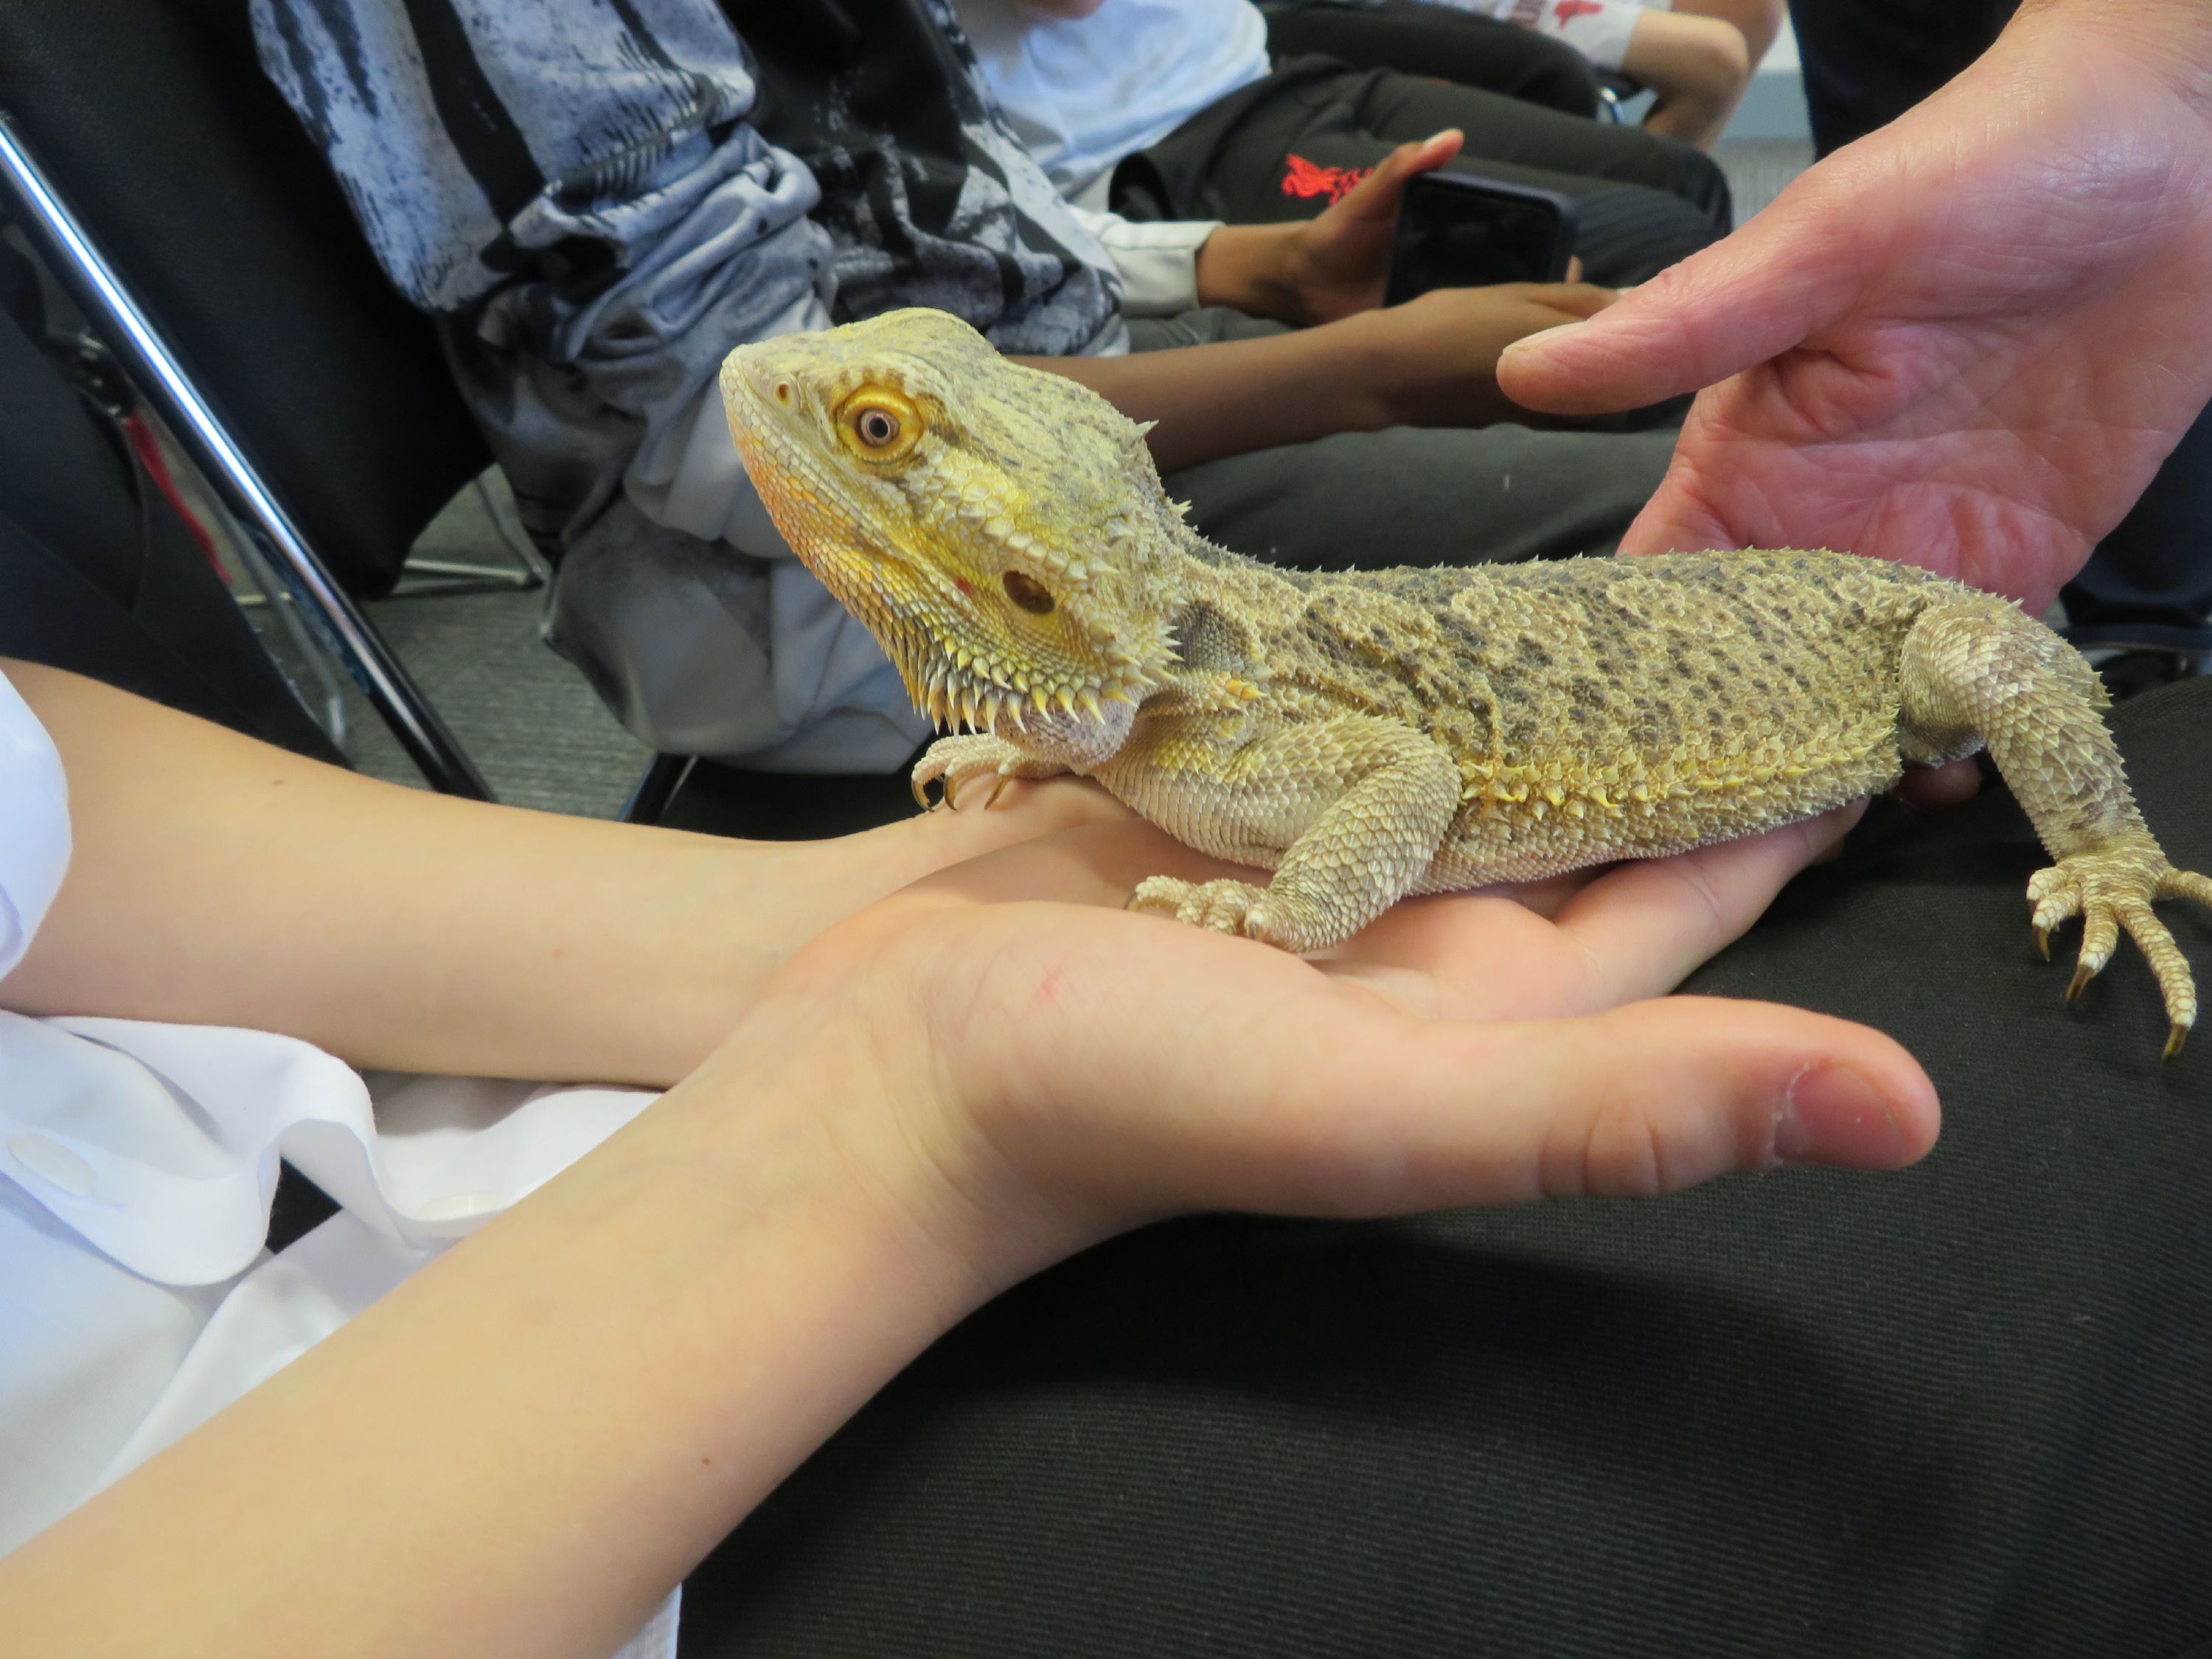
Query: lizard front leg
{"x":1978,"y":669}
{"x":957,"y":760}
{"x":1349,"y":812}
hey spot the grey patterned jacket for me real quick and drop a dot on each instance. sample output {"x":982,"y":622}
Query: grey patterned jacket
{"x":586,"y":194}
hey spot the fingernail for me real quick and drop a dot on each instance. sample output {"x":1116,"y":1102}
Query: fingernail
{"x":1527,"y":341}
{"x":1832,"y":1114}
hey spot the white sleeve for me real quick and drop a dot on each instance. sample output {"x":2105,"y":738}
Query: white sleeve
{"x":822,"y":697}
{"x":1159,"y":261}
{"x":34,"y":828}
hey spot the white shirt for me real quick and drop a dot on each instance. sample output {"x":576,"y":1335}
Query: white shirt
{"x":1081,"y":93}
{"x":136,"y":1165}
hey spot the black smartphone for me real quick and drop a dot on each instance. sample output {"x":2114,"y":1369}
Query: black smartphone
{"x":1456,"y":231}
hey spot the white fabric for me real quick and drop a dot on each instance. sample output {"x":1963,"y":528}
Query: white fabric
{"x":1082,"y":93}
{"x":136,"y":1165}
{"x":34,"y":832}
{"x":687,"y":476}
{"x":1599,"y":29}
{"x":838,"y":704}
{"x":1157,"y":259}
{"x":833,"y":701}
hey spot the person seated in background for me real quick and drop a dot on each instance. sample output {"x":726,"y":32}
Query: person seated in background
{"x":1695,"y":58}
{"x":1467,"y":48}
{"x":1170,"y":109}
{"x":660,"y":192}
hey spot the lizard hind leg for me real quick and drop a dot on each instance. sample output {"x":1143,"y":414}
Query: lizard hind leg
{"x":1980,"y":667}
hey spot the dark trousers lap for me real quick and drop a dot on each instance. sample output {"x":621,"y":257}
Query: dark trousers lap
{"x":1411,"y":495}
{"x":1421,"y":38}
{"x":1286,"y":147}
{"x":1956,"y":1411}
{"x":1867,"y":62}
{"x":2148,"y":585}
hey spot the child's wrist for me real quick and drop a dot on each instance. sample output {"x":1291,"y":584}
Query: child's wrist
{"x":1253,"y":268}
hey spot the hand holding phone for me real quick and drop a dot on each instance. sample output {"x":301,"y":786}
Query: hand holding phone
{"x":1458,"y":231}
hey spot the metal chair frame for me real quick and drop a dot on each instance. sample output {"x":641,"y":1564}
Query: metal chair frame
{"x":74,"y":259}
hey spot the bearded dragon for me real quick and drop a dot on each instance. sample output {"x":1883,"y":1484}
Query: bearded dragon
{"x":1003,"y":533}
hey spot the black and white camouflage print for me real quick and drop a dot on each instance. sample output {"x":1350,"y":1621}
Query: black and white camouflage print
{"x":600,"y":199}
{"x":929,"y":196}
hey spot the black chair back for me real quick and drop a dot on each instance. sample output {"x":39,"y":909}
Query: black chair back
{"x":154,"y":121}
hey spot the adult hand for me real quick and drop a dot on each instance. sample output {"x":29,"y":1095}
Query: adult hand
{"x":1434,"y":361}
{"x":1022,"y":1078}
{"x":1966,"y":342}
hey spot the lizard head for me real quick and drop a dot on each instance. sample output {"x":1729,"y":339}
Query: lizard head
{"x":999,"y":530}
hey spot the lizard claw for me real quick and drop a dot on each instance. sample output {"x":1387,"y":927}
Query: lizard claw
{"x":2110,"y":890}
{"x":954,"y":762}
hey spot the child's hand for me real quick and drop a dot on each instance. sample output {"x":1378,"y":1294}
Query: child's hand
{"x":1338,"y":263}
{"x":1015,"y":1079}
{"x":1317,"y":270}
{"x":1434,"y":359}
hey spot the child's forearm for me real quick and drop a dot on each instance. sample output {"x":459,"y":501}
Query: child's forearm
{"x":524,"y":1448}
{"x":217,"y":880}
{"x":1237,"y":396}
{"x":1698,"y":67}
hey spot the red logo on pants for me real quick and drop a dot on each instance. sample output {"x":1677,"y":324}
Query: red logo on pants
{"x":1303,"y":178}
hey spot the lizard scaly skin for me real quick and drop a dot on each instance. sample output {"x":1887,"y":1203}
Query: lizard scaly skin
{"x":1003,"y":533}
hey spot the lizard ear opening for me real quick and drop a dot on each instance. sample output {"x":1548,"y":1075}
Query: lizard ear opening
{"x":1032,"y":595}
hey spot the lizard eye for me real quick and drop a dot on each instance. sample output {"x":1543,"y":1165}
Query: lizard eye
{"x":879,"y":425}
{"x":1028,"y":593}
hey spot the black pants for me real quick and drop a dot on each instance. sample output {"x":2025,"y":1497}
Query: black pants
{"x":1420,"y":39}
{"x":1867,"y":62}
{"x":1285,"y":147}
{"x":1961,"y":1410}
{"x":98,"y":575}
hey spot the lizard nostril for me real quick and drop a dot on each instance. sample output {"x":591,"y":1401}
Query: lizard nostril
{"x":783,"y":392}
